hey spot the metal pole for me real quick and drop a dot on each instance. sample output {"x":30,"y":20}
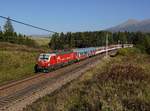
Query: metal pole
{"x":106,"y":45}
{"x":118,"y":43}
{"x":0,"y":29}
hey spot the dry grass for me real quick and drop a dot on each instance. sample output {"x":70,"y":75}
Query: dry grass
{"x":15,"y":47}
{"x":16,"y":61}
{"x":41,"y":41}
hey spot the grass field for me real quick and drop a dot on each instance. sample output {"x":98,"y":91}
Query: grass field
{"x":41,"y":41}
{"x":121,"y":83}
{"x":16,"y":61}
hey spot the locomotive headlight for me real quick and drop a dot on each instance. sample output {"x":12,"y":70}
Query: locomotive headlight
{"x":49,"y":64}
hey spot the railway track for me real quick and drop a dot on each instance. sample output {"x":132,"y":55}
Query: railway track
{"x":17,"y":85}
{"x":15,"y":96}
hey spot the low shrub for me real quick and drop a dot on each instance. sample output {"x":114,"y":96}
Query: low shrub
{"x":128,"y":51}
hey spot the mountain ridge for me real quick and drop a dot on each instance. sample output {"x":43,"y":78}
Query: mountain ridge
{"x":132,"y":25}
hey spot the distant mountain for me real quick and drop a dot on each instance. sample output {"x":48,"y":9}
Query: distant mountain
{"x":132,"y":25}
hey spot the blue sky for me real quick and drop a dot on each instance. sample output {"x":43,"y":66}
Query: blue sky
{"x":72,"y":15}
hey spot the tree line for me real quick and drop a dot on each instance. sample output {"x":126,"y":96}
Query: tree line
{"x":98,"y":38}
{"x":9,"y":35}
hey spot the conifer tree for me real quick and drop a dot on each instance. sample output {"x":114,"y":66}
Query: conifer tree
{"x":8,"y":27}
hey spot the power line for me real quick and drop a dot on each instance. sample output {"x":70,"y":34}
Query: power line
{"x":28,"y":24}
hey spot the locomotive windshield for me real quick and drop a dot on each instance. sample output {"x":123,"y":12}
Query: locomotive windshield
{"x":44,"y":57}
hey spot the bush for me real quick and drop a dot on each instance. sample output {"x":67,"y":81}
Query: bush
{"x":128,"y":51}
{"x":144,"y":44}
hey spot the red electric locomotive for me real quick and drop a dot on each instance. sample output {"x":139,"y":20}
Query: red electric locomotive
{"x":49,"y":61}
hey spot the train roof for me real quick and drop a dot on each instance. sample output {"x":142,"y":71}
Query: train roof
{"x":61,"y":52}
{"x":73,"y":50}
{"x":84,"y":49}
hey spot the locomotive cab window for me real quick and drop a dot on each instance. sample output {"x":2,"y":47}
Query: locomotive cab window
{"x":44,"y":57}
